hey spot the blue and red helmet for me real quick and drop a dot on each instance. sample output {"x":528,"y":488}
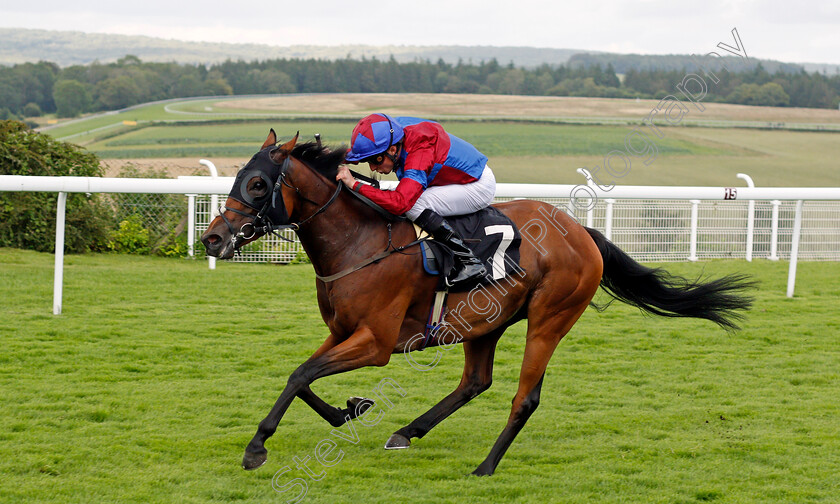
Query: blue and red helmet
{"x":371,"y":136}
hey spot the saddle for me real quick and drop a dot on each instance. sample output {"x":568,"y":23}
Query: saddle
{"x":492,"y":237}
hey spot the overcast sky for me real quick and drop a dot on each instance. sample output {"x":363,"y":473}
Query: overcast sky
{"x":786,"y":30}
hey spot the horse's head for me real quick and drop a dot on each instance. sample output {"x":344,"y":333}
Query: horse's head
{"x":255,"y":202}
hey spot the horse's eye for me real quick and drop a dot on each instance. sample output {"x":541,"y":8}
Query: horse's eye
{"x":257,"y":187}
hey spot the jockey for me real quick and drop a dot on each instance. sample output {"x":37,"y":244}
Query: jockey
{"x":440,"y":175}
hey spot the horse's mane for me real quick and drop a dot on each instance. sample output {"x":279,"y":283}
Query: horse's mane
{"x":323,"y":159}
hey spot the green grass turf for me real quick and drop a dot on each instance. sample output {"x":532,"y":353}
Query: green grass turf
{"x":150,"y":384}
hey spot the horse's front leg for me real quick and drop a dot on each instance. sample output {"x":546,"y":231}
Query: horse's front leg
{"x":359,"y":350}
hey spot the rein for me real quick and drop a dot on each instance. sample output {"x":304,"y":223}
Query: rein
{"x":272,"y":228}
{"x":389,"y":250}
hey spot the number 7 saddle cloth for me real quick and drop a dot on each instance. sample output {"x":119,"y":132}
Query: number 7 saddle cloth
{"x":492,"y":237}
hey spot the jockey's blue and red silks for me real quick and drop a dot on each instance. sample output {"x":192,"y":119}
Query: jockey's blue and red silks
{"x":430,"y":157}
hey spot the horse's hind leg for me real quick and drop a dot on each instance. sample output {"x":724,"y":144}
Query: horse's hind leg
{"x":335,"y":416}
{"x":359,"y":350}
{"x":477,"y":377}
{"x":544,"y":333}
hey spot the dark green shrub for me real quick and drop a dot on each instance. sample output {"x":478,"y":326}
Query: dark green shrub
{"x":32,"y":109}
{"x":131,"y":237}
{"x":27,"y":219}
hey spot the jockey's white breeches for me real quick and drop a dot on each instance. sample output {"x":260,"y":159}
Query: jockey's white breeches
{"x":457,"y":199}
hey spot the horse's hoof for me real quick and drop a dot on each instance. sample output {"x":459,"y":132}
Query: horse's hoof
{"x":358,"y":406}
{"x":397,"y":442}
{"x":482,"y":471}
{"x":252,"y":461}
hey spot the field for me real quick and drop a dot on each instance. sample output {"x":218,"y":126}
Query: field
{"x":525,"y":153}
{"x":150,"y":384}
{"x":528,"y":139}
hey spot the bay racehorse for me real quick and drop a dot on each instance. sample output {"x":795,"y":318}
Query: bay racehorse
{"x":377,"y":308}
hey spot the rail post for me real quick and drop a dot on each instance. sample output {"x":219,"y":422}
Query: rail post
{"x":774,"y":231}
{"x":794,"y":248}
{"x":695,"y":215}
{"x":191,"y":224}
{"x":58,"y":279}
{"x":750,"y":217}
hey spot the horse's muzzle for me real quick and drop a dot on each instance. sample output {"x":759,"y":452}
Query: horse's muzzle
{"x":217,"y":246}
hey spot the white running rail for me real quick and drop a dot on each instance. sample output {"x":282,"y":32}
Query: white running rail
{"x":585,"y":196}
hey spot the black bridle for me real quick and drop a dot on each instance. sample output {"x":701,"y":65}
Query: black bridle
{"x":261,"y":223}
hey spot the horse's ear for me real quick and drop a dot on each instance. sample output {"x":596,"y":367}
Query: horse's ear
{"x":288,"y":146}
{"x":271,"y":140}
{"x":280,"y":153}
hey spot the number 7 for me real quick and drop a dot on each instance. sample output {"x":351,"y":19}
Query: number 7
{"x":498,"y":259}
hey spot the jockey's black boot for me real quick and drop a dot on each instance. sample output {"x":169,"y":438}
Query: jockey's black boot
{"x":467,"y":265}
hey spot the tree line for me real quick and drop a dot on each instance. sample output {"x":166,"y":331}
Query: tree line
{"x":625,"y":62}
{"x":32,"y":89}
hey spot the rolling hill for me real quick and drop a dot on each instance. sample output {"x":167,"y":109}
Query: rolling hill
{"x":66,"y":48}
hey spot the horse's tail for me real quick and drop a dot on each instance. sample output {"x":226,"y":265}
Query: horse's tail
{"x":657,"y":291}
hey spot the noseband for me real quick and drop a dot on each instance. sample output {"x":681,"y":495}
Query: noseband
{"x":260,"y":223}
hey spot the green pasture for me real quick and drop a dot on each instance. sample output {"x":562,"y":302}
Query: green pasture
{"x":519,"y":151}
{"x":92,"y":127}
{"x":540,"y":153}
{"x":505,"y":139}
{"x":95,"y":127}
{"x":153,"y":380}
